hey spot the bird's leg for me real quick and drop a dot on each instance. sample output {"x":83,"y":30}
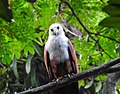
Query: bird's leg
{"x":61,"y":77}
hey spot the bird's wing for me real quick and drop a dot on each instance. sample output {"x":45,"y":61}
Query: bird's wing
{"x":73,"y":56}
{"x":46,"y":60}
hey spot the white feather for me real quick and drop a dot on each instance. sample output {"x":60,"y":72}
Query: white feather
{"x":57,"y":45}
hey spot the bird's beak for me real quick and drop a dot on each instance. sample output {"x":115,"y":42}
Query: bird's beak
{"x":55,"y":32}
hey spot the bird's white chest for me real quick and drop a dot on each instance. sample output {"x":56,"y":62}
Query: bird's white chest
{"x":58,"y":49}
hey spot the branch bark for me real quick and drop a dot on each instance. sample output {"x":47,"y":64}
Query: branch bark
{"x":111,"y":81}
{"x":73,"y":78}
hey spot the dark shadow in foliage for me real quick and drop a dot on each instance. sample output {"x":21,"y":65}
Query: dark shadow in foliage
{"x":113,"y":10}
{"x":36,"y":77}
{"x":5,"y":11}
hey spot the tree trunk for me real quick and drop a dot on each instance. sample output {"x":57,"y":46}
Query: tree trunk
{"x":111,"y":82}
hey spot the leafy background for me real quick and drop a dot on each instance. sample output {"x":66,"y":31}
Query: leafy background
{"x":22,"y":40}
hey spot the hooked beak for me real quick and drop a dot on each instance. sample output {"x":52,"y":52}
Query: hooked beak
{"x":55,"y":32}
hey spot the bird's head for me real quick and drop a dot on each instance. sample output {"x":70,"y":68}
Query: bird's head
{"x":56,"y":29}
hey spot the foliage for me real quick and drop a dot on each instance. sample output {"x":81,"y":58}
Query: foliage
{"x":113,"y":10}
{"x":24,"y":38}
{"x":4,"y":80}
{"x":29,"y":22}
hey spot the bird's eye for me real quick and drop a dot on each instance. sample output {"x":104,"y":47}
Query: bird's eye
{"x":58,"y":27}
{"x":51,"y":29}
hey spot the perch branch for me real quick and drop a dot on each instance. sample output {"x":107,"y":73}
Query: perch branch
{"x":113,"y":70}
{"x":73,"y":78}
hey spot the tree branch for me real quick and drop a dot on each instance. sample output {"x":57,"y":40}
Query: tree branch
{"x":98,"y":34}
{"x":74,"y":78}
{"x":109,"y":85}
{"x":113,"y":70}
{"x":89,"y":33}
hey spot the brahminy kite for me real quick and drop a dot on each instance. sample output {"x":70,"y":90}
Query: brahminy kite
{"x":60,"y":58}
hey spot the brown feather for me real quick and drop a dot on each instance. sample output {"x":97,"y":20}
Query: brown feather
{"x":73,"y":56}
{"x":60,"y":58}
{"x":53,"y":67}
{"x":46,"y":60}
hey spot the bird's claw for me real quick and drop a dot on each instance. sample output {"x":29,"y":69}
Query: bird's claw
{"x":68,"y":75}
{"x":57,"y":79}
{"x":62,"y":77}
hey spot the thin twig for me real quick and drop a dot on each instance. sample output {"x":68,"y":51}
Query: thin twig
{"x":105,"y":37}
{"x":89,"y":33}
{"x":72,"y":33}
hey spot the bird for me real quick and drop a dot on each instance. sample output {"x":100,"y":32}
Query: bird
{"x":60,"y":58}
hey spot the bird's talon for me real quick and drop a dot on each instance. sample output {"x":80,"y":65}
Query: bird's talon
{"x":65,"y":76}
{"x":57,"y":80}
{"x":72,"y":73}
{"x":53,"y":80}
{"x":68,"y":75}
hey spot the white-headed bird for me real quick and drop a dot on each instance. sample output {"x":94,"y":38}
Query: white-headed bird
{"x":60,"y":58}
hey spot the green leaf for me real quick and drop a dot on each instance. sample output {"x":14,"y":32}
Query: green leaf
{"x":17,"y":54}
{"x":1,"y":51}
{"x":27,"y":82}
{"x":6,"y":59}
{"x":37,"y":49}
{"x":114,"y":2}
{"x":14,"y":67}
{"x":31,"y":50}
{"x":81,"y":82}
{"x":39,"y":42}
{"x":111,"y":22}
{"x":3,"y":70}
{"x":112,"y":10}
{"x":89,"y":84}
{"x":28,"y":63}
{"x":26,"y":51}
{"x":3,"y":91}
{"x":33,"y":76}
{"x":98,"y":87}
{"x":117,"y":49}
{"x":101,"y":77}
